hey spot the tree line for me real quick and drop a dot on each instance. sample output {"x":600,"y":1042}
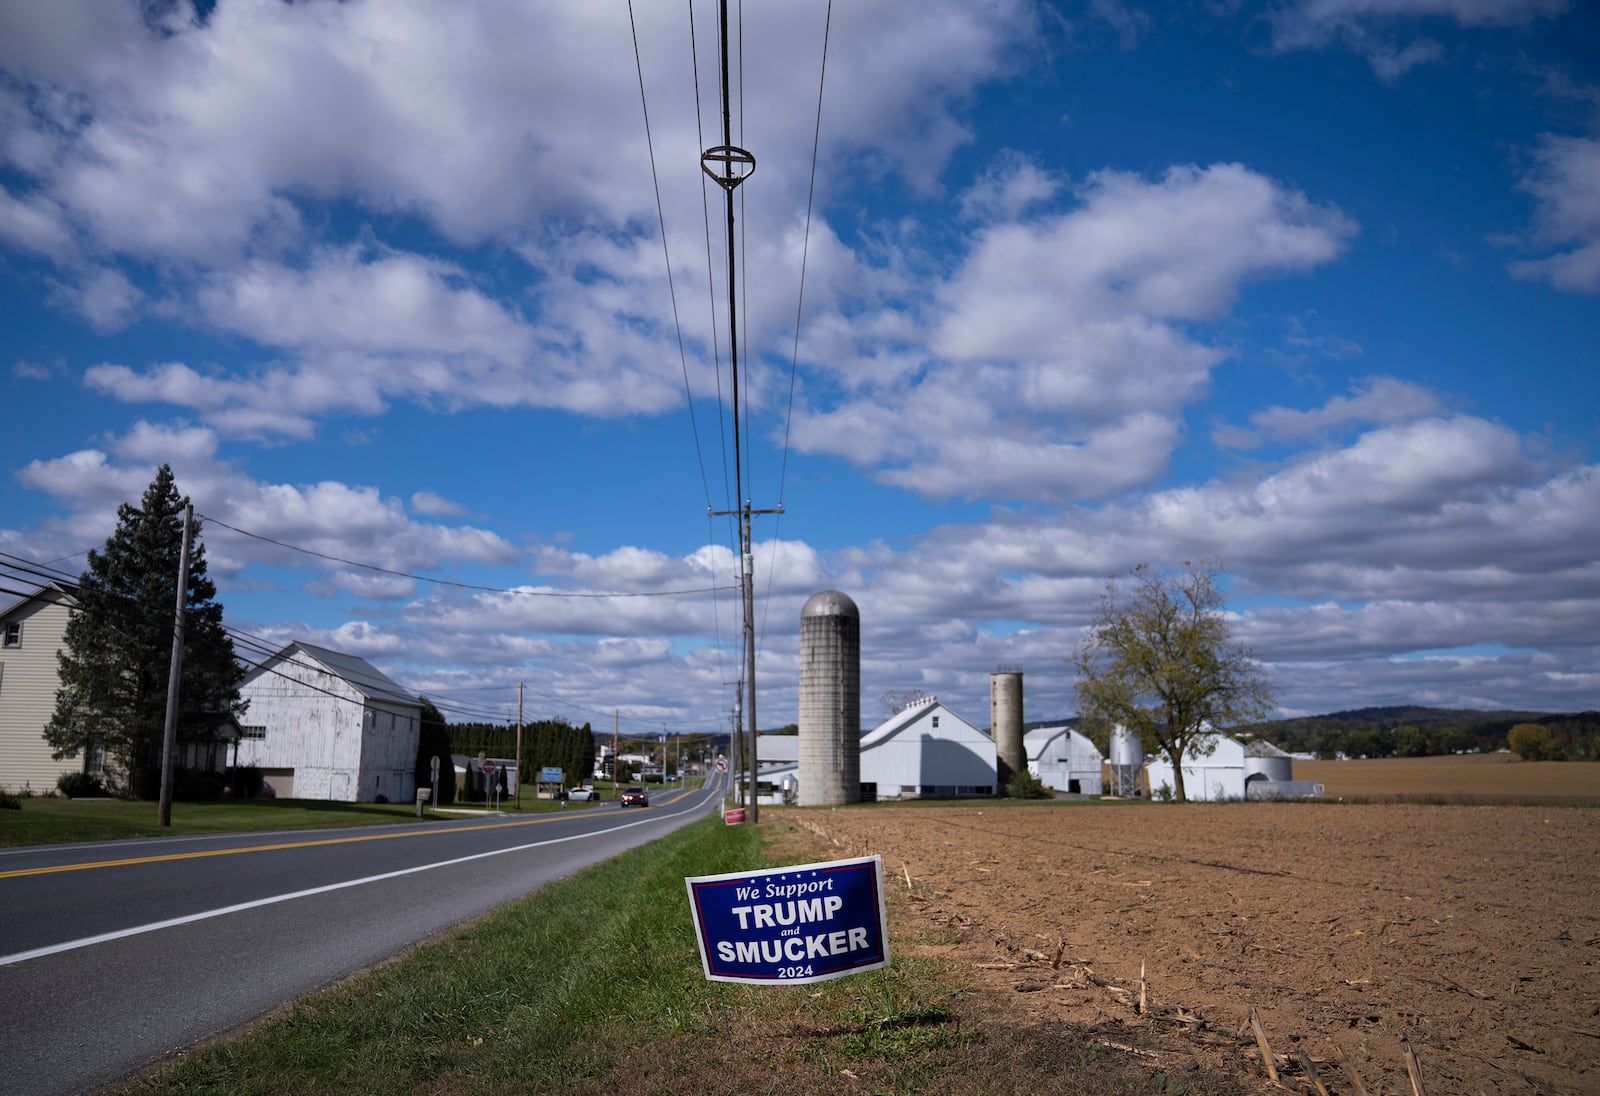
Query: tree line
{"x":546,"y":743}
{"x":1406,"y":731}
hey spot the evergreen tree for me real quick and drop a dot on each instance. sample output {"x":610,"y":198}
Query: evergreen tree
{"x":118,"y":646}
{"x":434,"y":741}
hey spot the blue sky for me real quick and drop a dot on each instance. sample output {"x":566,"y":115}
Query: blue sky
{"x":1309,"y":288}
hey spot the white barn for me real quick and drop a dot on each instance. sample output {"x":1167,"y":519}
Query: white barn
{"x":326,"y":725}
{"x":32,"y":631}
{"x":1063,"y":759}
{"x":924,"y":751}
{"x":1211,"y":777}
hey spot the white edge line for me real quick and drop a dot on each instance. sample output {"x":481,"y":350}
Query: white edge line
{"x":206,"y":915}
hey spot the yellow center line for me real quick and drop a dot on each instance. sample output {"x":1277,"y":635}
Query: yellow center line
{"x":19,"y":872}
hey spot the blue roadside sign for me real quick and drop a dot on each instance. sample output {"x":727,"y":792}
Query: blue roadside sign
{"x":792,"y":925}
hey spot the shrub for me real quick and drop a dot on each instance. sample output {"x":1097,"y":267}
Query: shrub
{"x":80,"y":786}
{"x":1024,"y":785}
{"x":245,"y":781}
{"x":193,"y":784}
{"x":9,"y":802}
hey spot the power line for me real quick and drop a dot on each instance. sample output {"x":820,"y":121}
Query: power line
{"x":519,"y":592}
{"x":799,"y":311}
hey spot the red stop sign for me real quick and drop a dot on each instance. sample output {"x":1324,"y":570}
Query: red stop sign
{"x":488,"y":766}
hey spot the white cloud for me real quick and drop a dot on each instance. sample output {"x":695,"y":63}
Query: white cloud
{"x":1565,"y":184}
{"x":105,"y":298}
{"x":1373,"y":27}
{"x":435,"y":505}
{"x":1374,"y":400}
{"x":34,"y":223}
{"x":1062,"y":352}
{"x":1009,"y":188}
{"x":346,"y":301}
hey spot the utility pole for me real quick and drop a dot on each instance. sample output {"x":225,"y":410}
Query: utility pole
{"x":737,"y":165}
{"x":519,"y":746}
{"x":169,"y":735}
{"x":616,"y":762}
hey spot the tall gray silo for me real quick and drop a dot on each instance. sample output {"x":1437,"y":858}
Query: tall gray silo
{"x":830,"y":701}
{"x":1005,"y":724}
{"x":1127,"y":758}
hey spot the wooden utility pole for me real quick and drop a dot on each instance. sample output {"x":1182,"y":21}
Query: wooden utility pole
{"x":169,"y":734}
{"x":737,"y":165}
{"x":519,"y":746}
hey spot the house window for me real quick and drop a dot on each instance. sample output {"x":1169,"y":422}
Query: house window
{"x":252,"y":732}
{"x":935,"y":722}
{"x":14,"y":634}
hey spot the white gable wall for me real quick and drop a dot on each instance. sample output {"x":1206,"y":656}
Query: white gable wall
{"x":1206,"y":777}
{"x":1058,"y":756}
{"x":338,"y":743}
{"x":928,"y":751}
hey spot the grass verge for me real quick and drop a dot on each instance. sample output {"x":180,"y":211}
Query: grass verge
{"x":594,"y":985}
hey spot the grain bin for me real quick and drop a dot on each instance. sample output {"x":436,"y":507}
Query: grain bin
{"x":830,"y":701}
{"x":1127,"y":758}
{"x":1005,"y":724}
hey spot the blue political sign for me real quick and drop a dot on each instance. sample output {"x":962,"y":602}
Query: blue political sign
{"x":791,"y":925}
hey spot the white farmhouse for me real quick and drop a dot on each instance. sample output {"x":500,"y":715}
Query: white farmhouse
{"x":325,"y":725}
{"x":923,"y":751}
{"x":1063,"y":759}
{"x":32,"y":631}
{"x":1207,"y":777}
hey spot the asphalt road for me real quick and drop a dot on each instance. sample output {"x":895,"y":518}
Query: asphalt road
{"x":114,"y":956}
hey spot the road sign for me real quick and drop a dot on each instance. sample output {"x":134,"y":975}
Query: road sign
{"x":722,"y":764}
{"x":792,"y":925}
{"x":488,"y":766}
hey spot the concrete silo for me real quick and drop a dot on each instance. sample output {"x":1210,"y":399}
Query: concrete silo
{"x":830,"y":701}
{"x":1005,"y":724}
{"x":1127,"y":758}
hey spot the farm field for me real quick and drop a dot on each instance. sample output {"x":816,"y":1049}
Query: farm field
{"x":1473,"y":932}
{"x":1504,"y":776}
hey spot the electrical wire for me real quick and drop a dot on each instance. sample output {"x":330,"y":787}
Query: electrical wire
{"x":799,"y":312}
{"x":463,"y":585}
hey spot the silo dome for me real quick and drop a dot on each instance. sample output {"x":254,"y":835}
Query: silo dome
{"x":830,"y":701}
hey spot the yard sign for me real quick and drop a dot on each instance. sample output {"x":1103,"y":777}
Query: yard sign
{"x":791,"y":925}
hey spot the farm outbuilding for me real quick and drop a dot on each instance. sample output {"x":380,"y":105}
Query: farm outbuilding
{"x":1065,"y":760}
{"x":1207,"y":776}
{"x":326,"y":725}
{"x":924,"y":751}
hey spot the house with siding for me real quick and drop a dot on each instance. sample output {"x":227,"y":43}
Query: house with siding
{"x":32,"y":631}
{"x":326,"y":725}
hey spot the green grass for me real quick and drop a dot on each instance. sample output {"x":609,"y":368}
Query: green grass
{"x":49,"y":820}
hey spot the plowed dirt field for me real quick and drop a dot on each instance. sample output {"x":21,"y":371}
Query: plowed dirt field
{"x":1470,"y":935}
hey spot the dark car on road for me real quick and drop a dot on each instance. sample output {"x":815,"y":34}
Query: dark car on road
{"x":635,"y":797}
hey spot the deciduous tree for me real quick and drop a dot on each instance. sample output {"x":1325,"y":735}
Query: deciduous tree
{"x":1159,"y":660}
{"x":115,"y":658}
{"x":1531,"y":742}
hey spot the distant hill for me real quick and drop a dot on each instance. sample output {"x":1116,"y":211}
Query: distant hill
{"x":1415,"y":731}
{"x":1410,"y":730}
